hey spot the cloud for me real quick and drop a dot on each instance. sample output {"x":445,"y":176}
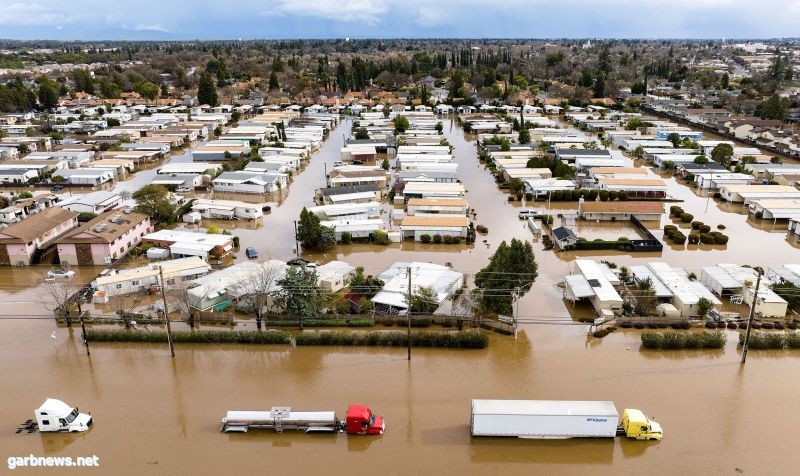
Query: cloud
{"x":153,"y":27}
{"x":30,"y":14}
{"x":368,"y":11}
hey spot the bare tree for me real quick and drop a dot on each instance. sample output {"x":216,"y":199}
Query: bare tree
{"x":123,"y":305}
{"x":178,"y":299}
{"x":61,"y":297}
{"x":255,"y":293}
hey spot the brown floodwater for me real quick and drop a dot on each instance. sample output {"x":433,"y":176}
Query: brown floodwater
{"x":157,"y":415}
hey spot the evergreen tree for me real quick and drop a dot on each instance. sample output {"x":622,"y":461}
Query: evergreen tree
{"x":510,"y":274}
{"x":48,"y":93}
{"x":273,"y":81}
{"x":207,"y":90}
{"x":309,"y":230}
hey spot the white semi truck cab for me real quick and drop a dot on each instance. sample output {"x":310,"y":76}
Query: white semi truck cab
{"x":55,"y":415}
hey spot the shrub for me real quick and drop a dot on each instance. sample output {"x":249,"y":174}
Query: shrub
{"x":721,"y":239}
{"x":720,"y":227}
{"x":83,"y":217}
{"x":437,"y":238}
{"x":529,"y":196}
{"x":592,"y":194}
{"x":679,"y":340}
{"x":464,"y":340}
{"x":347,"y":238}
{"x":686,"y":217}
{"x":705,"y":229}
{"x":669,"y":229}
{"x":793,"y":340}
{"x":448,"y":239}
{"x":604,"y":195}
{"x":426,"y":238}
{"x":694,"y":238}
{"x":201,"y":336}
{"x":652,"y":340}
{"x":767,"y":325}
{"x":557,"y":195}
{"x":678,"y":238}
{"x":483,"y":229}
{"x":364,"y":322}
{"x":707,"y":238}
{"x":675,"y":211}
{"x":732,"y":325}
{"x":696,"y":225}
{"x":601,"y":333}
{"x":381,"y":238}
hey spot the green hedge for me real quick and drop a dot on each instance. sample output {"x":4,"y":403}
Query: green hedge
{"x":200,"y":337}
{"x":463,"y":340}
{"x":683,"y":340}
{"x":601,"y":245}
{"x":772,"y":340}
{"x":339,"y":323}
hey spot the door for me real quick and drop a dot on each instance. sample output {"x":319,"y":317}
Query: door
{"x":83,"y":251}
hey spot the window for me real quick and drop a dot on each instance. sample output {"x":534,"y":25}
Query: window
{"x":119,"y":286}
{"x":45,"y":422}
{"x":135,"y":283}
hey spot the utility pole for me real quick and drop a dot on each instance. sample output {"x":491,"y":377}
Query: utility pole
{"x":83,"y":327}
{"x":746,"y":343}
{"x":408,"y":334}
{"x":166,"y":312}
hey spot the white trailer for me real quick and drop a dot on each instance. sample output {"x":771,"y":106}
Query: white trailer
{"x":55,"y":415}
{"x":554,"y":419}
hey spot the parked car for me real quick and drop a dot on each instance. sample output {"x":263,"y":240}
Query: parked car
{"x":358,"y":162}
{"x":530,"y":213}
{"x":338,"y":163}
{"x":183,"y":189}
{"x":297,"y":262}
{"x":60,"y":273}
{"x":57,"y":188}
{"x":251,"y":252}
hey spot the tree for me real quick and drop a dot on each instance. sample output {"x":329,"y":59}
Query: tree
{"x":48,"y":93}
{"x":154,"y":201}
{"x":385,"y":165}
{"x":254,"y":294}
{"x":645,"y":295}
{"x":675,"y":138}
{"x":773,"y":108}
{"x":424,"y":300}
{"x":439,"y":127}
{"x":722,"y":154}
{"x":701,"y":160}
{"x":366,"y":286}
{"x":327,"y":237}
{"x":600,"y":85}
{"x":83,"y":81}
{"x":299,"y":294}
{"x":60,"y":296}
{"x":725,"y":81}
{"x":361,"y":133}
{"x":308,"y":229}
{"x":400,"y":124}
{"x":524,"y":135}
{"x":511,"y":271}
{"x":273,"y":81}
{"x":775,"y":160}
{"x":146,"y":89}
{"x":207,"y":90}
{"x":703,"y":306}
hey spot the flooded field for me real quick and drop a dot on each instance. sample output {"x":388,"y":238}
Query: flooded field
{"x":157,"y":415}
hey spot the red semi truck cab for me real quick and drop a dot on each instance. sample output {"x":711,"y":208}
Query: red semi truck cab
{"x":361,"y":421}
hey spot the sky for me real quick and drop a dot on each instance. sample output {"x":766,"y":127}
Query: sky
{"x":283,"y":19}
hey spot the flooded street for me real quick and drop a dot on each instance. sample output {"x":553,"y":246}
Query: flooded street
{"x":157,"y":415}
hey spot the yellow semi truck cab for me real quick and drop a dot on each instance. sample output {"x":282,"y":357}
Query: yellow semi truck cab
{"x":635,"y":424}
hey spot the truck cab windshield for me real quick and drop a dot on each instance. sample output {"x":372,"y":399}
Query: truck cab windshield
{"x":72,"y":416}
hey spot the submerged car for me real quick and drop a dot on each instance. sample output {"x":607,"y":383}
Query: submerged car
{"x":60,"y":273}
{"x":251,"y":252}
